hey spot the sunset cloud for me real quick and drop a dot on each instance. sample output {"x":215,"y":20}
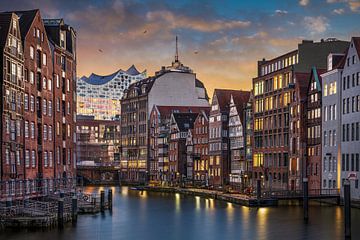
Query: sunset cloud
{"x":304,"y":2}
{"x":229,"y":37}
{"x":180,"y":21}
{"x":316,"y":25}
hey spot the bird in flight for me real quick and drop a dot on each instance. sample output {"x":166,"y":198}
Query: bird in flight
{"x":145,"y":31}
{"x":100,"y":50}
{"x":196,"y":52}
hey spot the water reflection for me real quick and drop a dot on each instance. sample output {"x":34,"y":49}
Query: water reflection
{"x":154,"y":216}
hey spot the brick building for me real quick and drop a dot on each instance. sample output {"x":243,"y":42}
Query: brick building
{"x":28,"y":109}
{"x":313,"y":129}
{"x":199,"y":156}
{"x":273,"y":95}
{"x":97,"y":141}
{"x":175,"y":85}
{"x":238,"y":165}
{"x":62,"y":39}
{"x":11,"y":99}
{"x":219,"y":159}
{"x":180,"y":124}
{"x":38,"y":99}
{"x":160,"y":117}
{"x":297,"y":135}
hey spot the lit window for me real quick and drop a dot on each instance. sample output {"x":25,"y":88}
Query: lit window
{"x":31,"y":52}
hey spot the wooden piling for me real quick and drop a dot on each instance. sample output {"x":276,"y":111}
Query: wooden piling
{"x":306,"y":199}
{"x":61,"y":213}
{"x":74,"y":209}
{"x":258,"y":189}
{"x":347,"y":209}
{"x":110,"y":199}
{"x":102,"y":201}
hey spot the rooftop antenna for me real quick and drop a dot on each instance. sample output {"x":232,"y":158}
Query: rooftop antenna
{"x":177,"y":51}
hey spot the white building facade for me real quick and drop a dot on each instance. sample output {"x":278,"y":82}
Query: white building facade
{"x":331,"y":144}
{"x":99,"y":96}
{"x":350,"y":118}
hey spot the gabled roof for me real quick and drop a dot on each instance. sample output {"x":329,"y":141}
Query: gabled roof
{"x":240,"y":100}
{"x":166,"y":111}
{"x":25,"y":20}
{"x":224,"y":95}
{"x":356,"y":41}
{"x":5,"y":19}
{"x":302,"y":83}
{"x":184,"y":121}
{"x":316,"y":74}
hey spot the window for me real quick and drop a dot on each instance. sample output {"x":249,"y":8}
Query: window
{"x":57,"y":81}
{"x":68,"y":85}
{"x":50,"y":133}
{"x":31,"y":77}
{"x":31,"y":52}
{"x":32,"y":128}
{"x":44,"y":106}
{"x":45,"y":158}
{"x":49,"y":85}
{"x":44,"y":59}
{"x":50,"y":108}
{"x":26,"y":102}
{"x":26,"y":129}
{"x":44,"y":83}
{"x":32,"y":103}
{"x":33,"y":158}
{"x":58,"y":104}
{"x":27,"y":158}
{"x":45,"y":133}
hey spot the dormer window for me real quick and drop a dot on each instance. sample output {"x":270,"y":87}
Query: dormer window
{"x":62,"y":39}
{"x":143,"y":89}
{"x":214,"y":107}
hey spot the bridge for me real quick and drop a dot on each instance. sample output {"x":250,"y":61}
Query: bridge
{"x":98,"y":174}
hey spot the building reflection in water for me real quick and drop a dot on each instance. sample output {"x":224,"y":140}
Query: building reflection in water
{"x":197,"y":203}
{"x":262,"y":217}
{"x":177,"y":202}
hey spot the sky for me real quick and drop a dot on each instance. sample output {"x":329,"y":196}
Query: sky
{"x":221,"y":40}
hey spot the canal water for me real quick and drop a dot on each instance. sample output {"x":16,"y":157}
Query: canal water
{"x":157,"y":216}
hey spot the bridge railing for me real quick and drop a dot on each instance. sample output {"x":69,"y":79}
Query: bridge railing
{"x":298,"y":193}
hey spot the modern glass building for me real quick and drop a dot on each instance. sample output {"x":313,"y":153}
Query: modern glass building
{"x":99,"y":96}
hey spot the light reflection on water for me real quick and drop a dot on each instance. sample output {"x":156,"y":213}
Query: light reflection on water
{"x":148,"y":215}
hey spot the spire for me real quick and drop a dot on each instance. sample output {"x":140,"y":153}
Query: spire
{"x":176,"y":51}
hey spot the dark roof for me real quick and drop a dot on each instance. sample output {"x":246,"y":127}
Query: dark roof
{"x":25,"y":20}
{"x":356,"y":41}
{"x":224,"y":95}
{"x":5,"y":19}
{"x":166,"y":111}
{"x":185,"y":121}
{"x":302,"y":82}
{"x":200,"y":84}
{"x":95,"y":79}
{"x":240,"y":100}
{"x":316,"y":73}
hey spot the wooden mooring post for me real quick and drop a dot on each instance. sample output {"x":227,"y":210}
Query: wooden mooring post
{"x":60,"y":213}
{"x":306,"y":199}
{"x":258,"y":189}
{"x":74,"y":209}
{"x":347,"y":209}
{"x":110,"y":199}
{"x":102,"y":201}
